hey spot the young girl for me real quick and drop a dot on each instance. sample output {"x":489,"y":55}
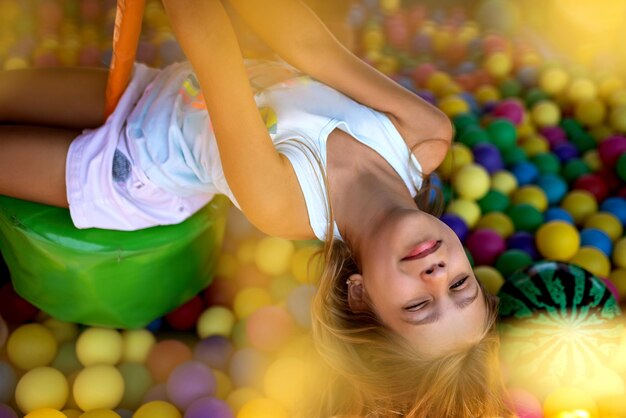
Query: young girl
{"x":338,"y":155}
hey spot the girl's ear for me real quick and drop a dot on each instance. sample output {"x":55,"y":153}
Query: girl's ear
{"x":356,"y":294}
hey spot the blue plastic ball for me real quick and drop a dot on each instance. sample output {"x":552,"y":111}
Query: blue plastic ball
{"x":488,"y":155}
{"x":524,"y":241}
{"x":155,"y":325}
{"x":616,"y":206}
{"x":596,"y":238}
{"x":471,"y":101}
{"x":558,"y":214}
{"x":566,"y":151}
{"x":525,"y":172}
{"x":553,"y":186}
{"x":457,"y":224}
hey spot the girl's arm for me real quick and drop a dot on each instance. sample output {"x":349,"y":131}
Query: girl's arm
{"x":259,"y":177}
{"x":300,"y":37}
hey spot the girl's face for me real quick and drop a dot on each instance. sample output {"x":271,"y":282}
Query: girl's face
{"x":418,"y":280}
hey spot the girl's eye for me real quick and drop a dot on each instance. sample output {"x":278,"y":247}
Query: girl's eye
{"x":459,"y":283}
{"x":415,"y":307}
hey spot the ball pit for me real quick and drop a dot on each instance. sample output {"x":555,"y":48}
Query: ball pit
{"x":535,"y":143}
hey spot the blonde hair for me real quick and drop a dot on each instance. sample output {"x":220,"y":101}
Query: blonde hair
{"x":367,"y":370}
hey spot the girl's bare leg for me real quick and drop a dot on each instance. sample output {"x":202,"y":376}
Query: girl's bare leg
{"x":59,"y":97}
{"x":32,"y":162}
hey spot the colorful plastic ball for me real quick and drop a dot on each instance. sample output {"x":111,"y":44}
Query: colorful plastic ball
{"x":457,"y":224}
{"x":305,"y":264}
{"x":557,"y":240}
{"x":592,"y":159}
{"x":137,"y":381}
{"x":611,"y":149}
{"x":524,"y":403}
{"x":473,"y":136}
{"x":596,"y":238}
{"x":488,"y":156}
{"x":590,"y":112}
{"x":593,"y":184}
{"x":535,"y":145}
{"x":494,"y":201}
{"x":510,"y":87}
{"x":621,"y":167}
{"x":498,"y":64}
{"x":498,"y":222}
{"x":525,"y":172}
{"x":581,"y":89}
{"x":214,"y":351}
{"x":583,"y":141}
{"x":487,"y":94}
{"x":617,"y":118}
{"x":513,"y":155}
{"x":490,"y":278}
{"x":284,"y":381}
{"x":619,"y":253}
{"x":580,"y":204}
{"x":553,"y":186}
{"x":458,"y":156}
{"x":273,"y":255}
{"x":606,"y":222}
{"x":216,"y":320}
{"x":453,"y":105}
{"x":555,"y":135}
{"x":249,"y":300}
{"x":616,"y":206}
{"x":502,"y":133}
{"x":66,"y":361}
{"x":269,"y":328}
{"x":573,"y":169}
{"x":471,"y":181}
{"x":98,"y":386}
{"x":30,"y":346}
{"x":504,"y":182}
{"x":190,"y":381}
{"x":553,"y":81}
{"x":545,"y":113}
{"x":511,"y":260}
{"x":247,"y":367}
{"x":533,"y":96}
{"x":525,"y":217}
{"x":208,"y":407}
{"x":157,"y":409}
{"x":509,"y":109}
{"x":558,"y":214}
{"x":184,"y":317}
{"x":523,"y":241}
{"x":593,"y":260}
{"x":532,"y":195}
{"x":136,"y":345}
{"x":485,"y":245}
{"x":165,"y":356}
{"x":468,"y":210}
{"x":8,"y":380}
{"x":99,"y":346}
{"x":618,"y":278}
{"x":7,"y":412}
{"x":566,"y":151}
{"x":41,"y":387}
{"x":263,"y":408}
{"x":45,"y":413}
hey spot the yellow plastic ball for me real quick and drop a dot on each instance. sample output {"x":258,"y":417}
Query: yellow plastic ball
{"x":373,"y":38}
{"x":618,"y":98}
{"x":617,"y":119}
{"x":471,"y":181}
{"x":98,"y":386}
{"x":246,"y":250}
{"x":453,"y":105}
{"x":618,"y":278}
{"x":553,"y":81}
{"x":590,"y":112}
{"x":592,"y":260}
{"x":534,"y":145}
{"x":497,"y":221}
{"x":99,"y":346}
{"x":306,"y":264}
{"x":606,"y":222}
{"x":545,"y":113}
{"x":619,"y":253}
{"x":498,"y":64}
{"x":532,"y":195}
{"x":441,"y":40}
{"x":46,"y":413}
{"x":580,"y":204}
{"x":438,"y":82}
{"x":241,"y":396}
{"x":593,"y":160}
{"x":272,"y":255}
{"x":487,"y":93}
{"x":527,"y":130}
{"x":223,"y":383}
{"x":263,"y":408}
{"x":62,"y":331}
{"x":458,"y":155}
{"x":41,"y":387}
{"x":30,"y":346}
{"x":557,"y":240}
{"x":468,"y":210}
{"x":600,"y":132}
{"x":491,"y":278}
{"x":608,"y":86}
{"x":216,"y":320}
{"x":581,"y":89}
{"x":157,"y":409}
{"x":249,"y":300}
{"x":567,"y":400}
{"x":389,"y":6}
{"x":284,"y":381}
{"x":226,"y":265}
{"x":136,"y":344}
{"x":504,"y":182}
{"x":100,"y":413}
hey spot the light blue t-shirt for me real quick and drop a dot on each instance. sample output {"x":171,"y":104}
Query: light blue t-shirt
{"x":172,"y":140}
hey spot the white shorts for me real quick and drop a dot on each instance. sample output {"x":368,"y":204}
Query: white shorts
{"x":124,"y":198}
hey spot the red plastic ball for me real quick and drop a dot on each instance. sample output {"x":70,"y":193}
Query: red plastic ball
{"x":611,"y":148}
{"x":221,"y":292}
{"x":422,"y":72}
{"x":594,"y":184}
{"x":485,"y":245}
{"x":185,"y":317}
{"x":14,"y":308}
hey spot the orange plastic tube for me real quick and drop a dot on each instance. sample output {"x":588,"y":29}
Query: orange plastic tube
{"x":128,"y":19}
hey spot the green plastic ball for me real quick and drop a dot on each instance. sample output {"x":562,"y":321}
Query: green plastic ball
{"x":533,"y":96}
{"x":510,"y":87}
{"x":502,"y":133}
{"x":571,"y":126}
{"x":583,"y":141}
{"x":494,"y":201}
{"x":525,"y":217}
{"x":513,"y":155}
{"x":463,"y":121}
{"x":621,"y":166}
{"x":573,"y":169}
{"x":511,"y":260}
{"x":547,"y":163}
{"x":472,"y":136}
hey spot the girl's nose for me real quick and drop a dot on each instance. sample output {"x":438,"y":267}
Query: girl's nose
{"x":433,"y":269}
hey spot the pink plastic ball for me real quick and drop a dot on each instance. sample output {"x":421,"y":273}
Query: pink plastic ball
{"x":525,"y":404}
{"x":510,"y":109}
{"x":485,"y":245}
{"x":422,"y":72}
{"x":269,"y":328}
{"x":190,"y":381}
{"x":611,"y":148}
{"x":555,"y":135}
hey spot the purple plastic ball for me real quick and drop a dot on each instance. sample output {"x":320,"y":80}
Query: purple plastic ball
{"x":485,"y":245}
{"x":214,"y":351}
{"x":457,"y":224}
{"x":208,"y":407}
{"x":611,"y":148}
{"x":488,"y":156}
{"x":524,"y":241}
{"x":566,"y":151}
{"x":555,"y":135}
{"x":190,"y":381}
{"x":510,"y":109}
{"x":7,"y":412}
